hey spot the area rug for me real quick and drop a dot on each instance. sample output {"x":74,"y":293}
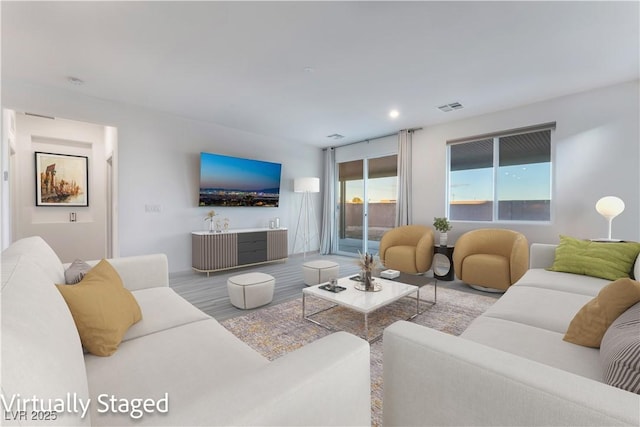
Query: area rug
{"x":279,"y":329}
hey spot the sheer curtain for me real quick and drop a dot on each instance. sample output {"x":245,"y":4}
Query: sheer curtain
{"x":327,"y":242}
{"x":403,"y":204}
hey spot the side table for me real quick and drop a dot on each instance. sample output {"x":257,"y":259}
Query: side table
{"x":443,"y":262}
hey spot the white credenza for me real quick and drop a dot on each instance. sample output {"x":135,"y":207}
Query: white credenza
{"x":237,"y":248}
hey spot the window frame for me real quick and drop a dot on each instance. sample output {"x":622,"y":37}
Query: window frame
{"x":495,"y":136}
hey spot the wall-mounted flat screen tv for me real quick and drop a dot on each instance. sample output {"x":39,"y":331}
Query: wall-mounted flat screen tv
{"x":234,"y":181}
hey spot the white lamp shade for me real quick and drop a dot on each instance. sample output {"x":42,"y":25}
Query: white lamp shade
{"x":610,"y":206}
{"x":306,"y":184}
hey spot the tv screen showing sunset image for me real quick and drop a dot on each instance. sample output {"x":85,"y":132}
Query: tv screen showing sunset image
{"x":234,"y":181}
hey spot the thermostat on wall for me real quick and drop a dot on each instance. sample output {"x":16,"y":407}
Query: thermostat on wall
{"x":390,"y":274}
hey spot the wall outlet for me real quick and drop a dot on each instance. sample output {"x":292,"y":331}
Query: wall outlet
{"x":152,"y":208}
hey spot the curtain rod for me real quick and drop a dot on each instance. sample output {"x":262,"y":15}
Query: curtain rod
{"x":369,"y":139}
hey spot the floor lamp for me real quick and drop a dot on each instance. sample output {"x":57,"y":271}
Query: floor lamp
{"x":306,"y":216}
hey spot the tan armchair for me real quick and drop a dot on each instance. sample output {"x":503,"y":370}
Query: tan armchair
{"x":491,"y":258}
{"x":408,"y":249}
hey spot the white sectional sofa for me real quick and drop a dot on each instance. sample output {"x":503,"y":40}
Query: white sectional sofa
{"x":194,"y":371}
{"x":510,"y":367}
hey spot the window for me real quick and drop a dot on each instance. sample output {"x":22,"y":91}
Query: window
{"x":503,"y":177}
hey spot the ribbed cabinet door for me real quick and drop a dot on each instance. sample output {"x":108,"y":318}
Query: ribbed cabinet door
{"x":214,"y":251}
{"x":277,"y":245}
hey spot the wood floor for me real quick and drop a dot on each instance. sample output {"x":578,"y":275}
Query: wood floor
{"x":209,"y":294}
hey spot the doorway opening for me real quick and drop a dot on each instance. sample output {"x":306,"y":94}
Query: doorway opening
{"x":74,"y":231}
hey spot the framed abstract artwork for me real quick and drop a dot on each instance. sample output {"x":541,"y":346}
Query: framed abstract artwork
{"x":62,"y":180}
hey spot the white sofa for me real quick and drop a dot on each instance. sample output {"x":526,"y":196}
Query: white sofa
{"x":176,"y":352}
{"x":510,"y":366}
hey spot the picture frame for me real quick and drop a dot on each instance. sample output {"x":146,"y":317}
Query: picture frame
{"x":61,"y":179}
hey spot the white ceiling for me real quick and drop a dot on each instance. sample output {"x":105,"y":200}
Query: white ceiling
{"x":242,"y":64}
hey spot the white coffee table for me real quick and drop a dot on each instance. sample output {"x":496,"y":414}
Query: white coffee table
{"x":360,"y":301}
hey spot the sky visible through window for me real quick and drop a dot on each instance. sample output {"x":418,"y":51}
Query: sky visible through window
{"x":380,"y":189}
{"x":520,"y":182}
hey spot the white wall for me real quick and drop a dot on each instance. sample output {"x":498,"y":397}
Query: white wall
{"x":596,"y":153}
{"x":595,"y":149}
{"x":158,"y":164}
{"x":7,"y":150}
{"x":378,"y":147}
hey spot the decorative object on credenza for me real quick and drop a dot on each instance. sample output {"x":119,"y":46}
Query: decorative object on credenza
{"x":210,"y":218}
{"x":443,"y":226}
{"x":61,"y":180}
{"x":306,"y":186}
{"x":367,"y":263}
{"x":274,"y":223}
{"x":225,"y":224}
{"x":610,"y":207}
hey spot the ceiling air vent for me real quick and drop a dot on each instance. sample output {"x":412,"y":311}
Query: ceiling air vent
{"x":450,"y":107}
{"x":335,"y":136}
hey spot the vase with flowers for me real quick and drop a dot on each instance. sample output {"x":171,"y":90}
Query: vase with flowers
{"x":368,"y":263}
{"x":443,"y":226}
{"x":210,"y":218}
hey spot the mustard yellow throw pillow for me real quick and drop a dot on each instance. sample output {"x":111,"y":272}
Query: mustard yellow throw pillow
{"x":102,"y":309}
{"x":590,"y":323}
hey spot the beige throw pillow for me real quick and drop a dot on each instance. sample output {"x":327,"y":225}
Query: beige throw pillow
{"x":592,"y":321}
{"x":102,"y":309}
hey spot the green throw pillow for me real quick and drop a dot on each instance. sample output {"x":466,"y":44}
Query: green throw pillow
{"x":607,"y":260}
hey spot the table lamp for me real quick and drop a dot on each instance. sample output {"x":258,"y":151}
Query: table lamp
{"x":610,"y":207}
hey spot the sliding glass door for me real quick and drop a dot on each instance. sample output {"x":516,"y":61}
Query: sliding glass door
{"x":366,"y":207}
{"x":351,"y":212}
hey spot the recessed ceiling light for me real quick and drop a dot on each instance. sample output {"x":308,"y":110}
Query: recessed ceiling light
{"x":75,"y":81}
{"x":394,"y":113}
{"x":308,"y":69}
{"x":335,"y":136}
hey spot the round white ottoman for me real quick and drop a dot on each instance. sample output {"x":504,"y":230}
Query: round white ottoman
{"x":320,"y":271}
{"x":250,"y":290}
